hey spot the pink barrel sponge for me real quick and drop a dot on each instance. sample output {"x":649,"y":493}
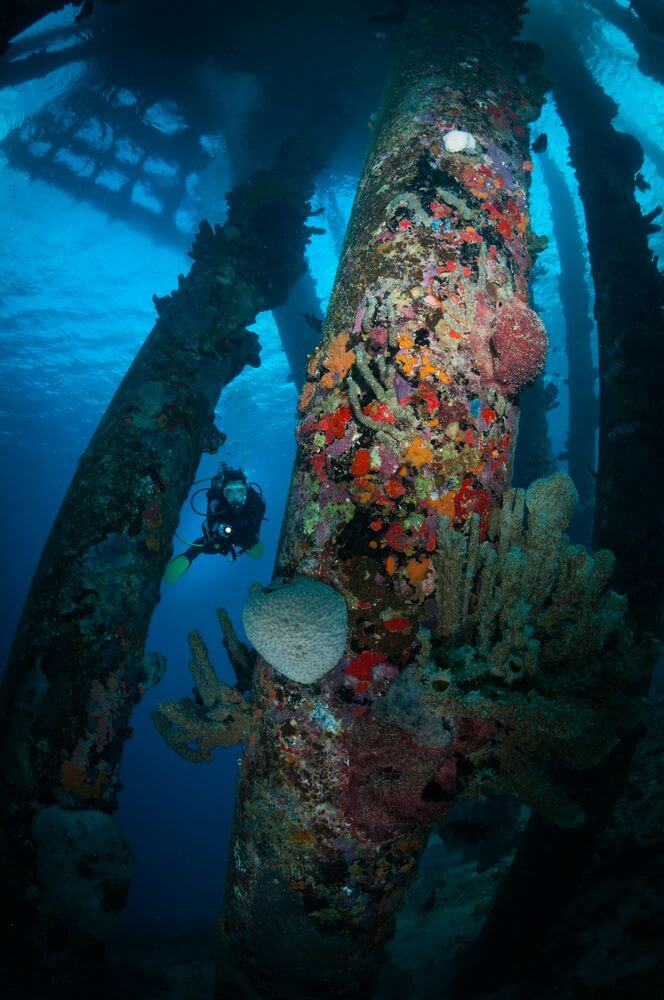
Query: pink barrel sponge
{"x":518,"y":346}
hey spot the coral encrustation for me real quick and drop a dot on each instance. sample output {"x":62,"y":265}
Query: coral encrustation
{"x":409,"y":417}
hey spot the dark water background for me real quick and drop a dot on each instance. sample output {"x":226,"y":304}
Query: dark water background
{"x":87,"y":236}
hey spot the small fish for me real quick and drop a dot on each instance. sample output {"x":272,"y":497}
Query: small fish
{"x":540,"y":143}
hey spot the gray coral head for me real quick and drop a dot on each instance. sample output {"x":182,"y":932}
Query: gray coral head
{"x":84,"y":867}
{"x":300,"y":628}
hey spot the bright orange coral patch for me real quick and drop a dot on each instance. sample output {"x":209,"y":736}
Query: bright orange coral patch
{"x":305,"y":396}
{"x":407,"y":361}
{"x":444,"y":506}
{"x":417,"y":569}
{"x":419,"y":452}
{"x":338,"y":362}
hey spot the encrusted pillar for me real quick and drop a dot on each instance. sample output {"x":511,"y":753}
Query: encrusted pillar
{"x":409,"y":419}
{"x":77,"y":666}
{"x":629,"y":309}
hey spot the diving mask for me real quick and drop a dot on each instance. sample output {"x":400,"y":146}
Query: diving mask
{"x":236,"y":494}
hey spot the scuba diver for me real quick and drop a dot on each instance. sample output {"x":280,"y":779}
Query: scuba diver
{"x":235,"y":510}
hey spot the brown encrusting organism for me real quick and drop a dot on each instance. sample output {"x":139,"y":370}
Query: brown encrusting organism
{"x":217,"y":716}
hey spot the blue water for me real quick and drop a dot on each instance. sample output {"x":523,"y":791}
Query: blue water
{"x":76,"y":286}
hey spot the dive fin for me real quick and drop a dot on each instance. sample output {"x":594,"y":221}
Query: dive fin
{"x":256,"y":551}
{"x":176,"y":568}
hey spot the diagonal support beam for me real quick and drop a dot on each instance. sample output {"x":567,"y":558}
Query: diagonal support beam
{"x":77,"y":665}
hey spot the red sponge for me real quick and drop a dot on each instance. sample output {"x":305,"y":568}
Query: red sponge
{"x":518,"y":346}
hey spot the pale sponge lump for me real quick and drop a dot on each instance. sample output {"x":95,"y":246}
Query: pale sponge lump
{"x":299,"y":628}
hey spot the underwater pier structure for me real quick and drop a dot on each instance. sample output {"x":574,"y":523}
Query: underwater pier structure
{"x":629,"y":309}
{"x":541,"y":892}
{"x":574,"y":298}
{"x":78,"y":664}
{"x":430,"y":634}
{"x":411,"y":595}
{"x":18,"y":15}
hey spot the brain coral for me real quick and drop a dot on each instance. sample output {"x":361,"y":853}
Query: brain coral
{"x":300,"y":628}
{"x":518,"y":345}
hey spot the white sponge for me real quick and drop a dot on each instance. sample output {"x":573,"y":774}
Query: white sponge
{"x":457,"y":141}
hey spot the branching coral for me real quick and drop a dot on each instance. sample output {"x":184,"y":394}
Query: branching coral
{"x":218,"y":717}
{"x":243,"y":659}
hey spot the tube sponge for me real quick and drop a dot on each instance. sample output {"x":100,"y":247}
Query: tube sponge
{"x":300,"y":628}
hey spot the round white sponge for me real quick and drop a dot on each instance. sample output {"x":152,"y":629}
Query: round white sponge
{"x":457,"y":141}
{"x":300,"y":628}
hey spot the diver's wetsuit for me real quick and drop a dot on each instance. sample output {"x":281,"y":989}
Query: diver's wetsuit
{"x":244,"y":525}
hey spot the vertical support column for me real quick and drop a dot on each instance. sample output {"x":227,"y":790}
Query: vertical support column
{"x":409,"y":416}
